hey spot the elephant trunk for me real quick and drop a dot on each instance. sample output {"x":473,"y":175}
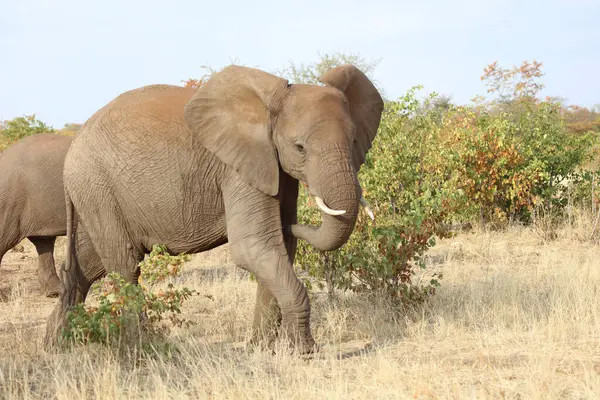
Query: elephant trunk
{"x":338,"y":195}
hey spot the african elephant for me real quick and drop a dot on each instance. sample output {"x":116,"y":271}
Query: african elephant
{"x":32,"y":201}
{"x":195,"y":168}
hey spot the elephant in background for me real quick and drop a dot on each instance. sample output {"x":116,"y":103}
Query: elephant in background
{"x":32,"y":201}
{"x":195,"y":168}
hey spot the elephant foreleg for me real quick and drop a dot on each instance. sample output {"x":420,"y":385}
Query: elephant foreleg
{"x":258,"y":244}
{"x":46,"y":270}
{"x":267,"y":313}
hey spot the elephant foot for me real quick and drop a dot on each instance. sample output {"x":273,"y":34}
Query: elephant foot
{"x":261,"y":340}
{"x":304,"y":347}
{"x":302,"y":343}
{"x":51,"y":286}
{"x":301,"y":348}
{"x":267,"y":342}
{"x":257,"y":344}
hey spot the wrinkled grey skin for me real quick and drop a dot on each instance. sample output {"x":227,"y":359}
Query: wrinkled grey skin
{"x":194,"y":169}
{"x":32,"y":201}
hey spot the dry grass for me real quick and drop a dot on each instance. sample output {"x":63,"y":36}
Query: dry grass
{"x":515,"y":318}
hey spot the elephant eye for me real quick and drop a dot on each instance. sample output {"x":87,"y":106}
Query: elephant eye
{"x":300,"y":148}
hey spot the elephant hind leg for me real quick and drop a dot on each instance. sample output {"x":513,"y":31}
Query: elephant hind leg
{"x":106,"y":240}
{"x":82,"y":266}
{"x":85,"y":267}
{"x":86,"y":262}
{"x":46,"y":270}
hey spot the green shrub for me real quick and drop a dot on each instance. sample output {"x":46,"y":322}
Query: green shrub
{"x":116,"y":318}
{"x":546,"y":140}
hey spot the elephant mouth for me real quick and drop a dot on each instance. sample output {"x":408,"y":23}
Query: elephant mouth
{"x":329,"y":211}
{"x":338,"y":218}
{"x":326,"y":209}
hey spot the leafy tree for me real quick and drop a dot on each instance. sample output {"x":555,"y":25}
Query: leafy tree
{"x":194,"y":83}
{"x":17,"y":128}
{"x":310,"y":73}
{"x":70,"y":129}
{"x":509,"y":84}
{"x":210,"y":71}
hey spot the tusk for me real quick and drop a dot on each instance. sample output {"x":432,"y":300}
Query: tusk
{"x":326,"y":209}
{"x":365,"y":205}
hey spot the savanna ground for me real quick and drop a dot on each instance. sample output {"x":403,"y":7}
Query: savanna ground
{"x":516,"y":317}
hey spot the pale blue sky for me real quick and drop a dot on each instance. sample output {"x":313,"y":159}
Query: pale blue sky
{"x":64,"y":59}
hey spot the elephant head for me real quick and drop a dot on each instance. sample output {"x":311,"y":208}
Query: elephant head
{"x":256,"y":123}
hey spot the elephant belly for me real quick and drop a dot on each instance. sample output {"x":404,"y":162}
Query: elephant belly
{"x":44,"y":216}
{"x":192,"y":239}
{"x":195,"y":234}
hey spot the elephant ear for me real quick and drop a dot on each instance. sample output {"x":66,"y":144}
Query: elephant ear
{"x":230,"y":116}
{"x":365,"y":104}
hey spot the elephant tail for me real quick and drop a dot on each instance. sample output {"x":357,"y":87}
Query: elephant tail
{"x":70,"y":270}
